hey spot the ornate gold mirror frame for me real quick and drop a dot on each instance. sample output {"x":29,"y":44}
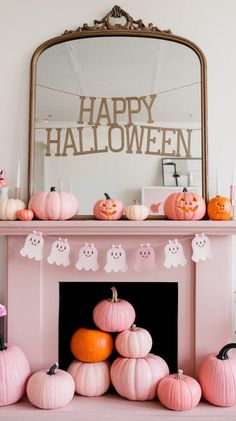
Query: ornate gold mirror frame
{"x":117,"y":23}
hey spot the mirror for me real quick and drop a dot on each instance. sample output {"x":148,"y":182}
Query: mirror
{"x":110,"y":104}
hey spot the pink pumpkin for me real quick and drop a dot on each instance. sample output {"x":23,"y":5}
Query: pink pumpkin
{"x":113,"y":315}
{"x":50,"y":389}
{"x":14,"y":373}
{"x":217,"y":377}
{"x":108,"y":209}
{"x":53,"y":205}
{"x":136,"y":379}
{"x":185,"y":206}
{"x":179,"y":392}
{"x":91,"y":379}
{"x":135,"y":342}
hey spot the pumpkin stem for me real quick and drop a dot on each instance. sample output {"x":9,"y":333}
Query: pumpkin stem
{"x":223,"y":352}
{"x":107,"y":196}
{"x":52,"y":369}
{"x":185,"y":189}
{"x":53,"y":189}
{"x":114,"y":297}
{"x":133,"y":327}
{"x":2,"y":344}
{"x":180,"y":375}
{"x":135,"y":201}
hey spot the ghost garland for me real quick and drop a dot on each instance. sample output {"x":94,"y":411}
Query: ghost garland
{"x":116,"y":258}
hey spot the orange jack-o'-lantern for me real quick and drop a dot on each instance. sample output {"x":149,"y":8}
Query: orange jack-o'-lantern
{"x":108,"y":209}
{"x":184,"y":206}
{"x":219,"y":208}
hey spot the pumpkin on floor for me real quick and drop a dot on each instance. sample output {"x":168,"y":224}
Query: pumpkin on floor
{"x":91,"y":379}
{"x":14,"y":373}
{"x":184,"y":206}
{"x":135,"y":342}
{"x":113,"y":315}
{"x":179,"y":392}
{"x":219,"y":208}
{"x":217,"y":377}
{"x":50,"y":389}
{"x":108,"y":209}
{"x":136,"y":379}
{"x":53,"y":205}
{"x":91,"y":345}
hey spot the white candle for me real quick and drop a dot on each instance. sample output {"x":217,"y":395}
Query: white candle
{"x":217,"y":182}
{"x":18,"y":175}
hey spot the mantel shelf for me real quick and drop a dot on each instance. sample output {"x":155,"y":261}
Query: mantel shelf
{"x":122,"y":227}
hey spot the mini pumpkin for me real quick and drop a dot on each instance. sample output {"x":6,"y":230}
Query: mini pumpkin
{"x":136,"y":212}
{"x":91,"y":379}
{"x":50,"y":389}
{"x":25,"y":214}
{"x":108,"y":209}
{"x":185,"y":206}
{"x":113,"y":315}
{"x":137,"y":378}
{"x":219,"y":208}
{"x":9,"y":208}
{"x":91,"y":345}
{"x":179,"y":392}
{"x":14,"y":373}
{"x":217,"y":377}
{"x":53,"y":205}
{"x":135,"y":342}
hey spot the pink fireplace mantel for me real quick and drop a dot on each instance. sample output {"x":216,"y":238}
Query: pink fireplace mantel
{"x":205,"y":299}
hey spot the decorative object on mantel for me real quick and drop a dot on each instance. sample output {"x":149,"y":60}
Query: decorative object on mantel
{"x":114,"y":315}
{"x":60,"y":253}
{"x":217,"y":377}
{"x":135,"y":342}
{"x":174,"y":254}
{"x":9,"y":208}
{"x":201,"y":246}
{"x":91,"y":345}
{"x":91,"y":379}
{"x":116,"y":259}
{"x":3,"y":186}
{"x":145,"y":258}
{"x":14,"y":370}
{"x":179,"y":392}
{"x":185,"y":206}
{"x":25,"y":214}
{"x":108,"y":209}
{"x":53,"y":205}
{"x":50,"y":389}
{"x":136,"y":379}
{"x":33,"y":247}
{"x":3,"y":182}
{"x":136,"y":212}
{"x":219,"y":208}
{"x":88,"y":258}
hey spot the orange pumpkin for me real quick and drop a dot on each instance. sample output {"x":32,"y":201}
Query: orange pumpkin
{"x":219,"y":208}
{"x":25,"y":214}
{"x":108,"y":209}
{"x":185,"y":206}
{"x":91,"y":345}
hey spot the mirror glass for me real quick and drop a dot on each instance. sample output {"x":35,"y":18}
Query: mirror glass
{"x":110,"y":112}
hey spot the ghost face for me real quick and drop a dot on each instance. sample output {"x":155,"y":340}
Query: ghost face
{"x":88,"y":251}
{"x":116,"y":260}
{"x":34,"y":240}
{"x":61,"y":246}
{"x":145,"y":258}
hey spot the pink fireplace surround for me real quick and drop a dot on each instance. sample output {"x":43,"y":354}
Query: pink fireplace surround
{"x":205,"y":291}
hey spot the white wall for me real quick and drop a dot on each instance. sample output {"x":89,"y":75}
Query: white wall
{"x":25,"y":24}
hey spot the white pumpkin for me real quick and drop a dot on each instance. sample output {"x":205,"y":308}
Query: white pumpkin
{"x":9,"y":207}
{"x":136,"y":212}
{"x":91,"y":379}
{"x":135,"y":342}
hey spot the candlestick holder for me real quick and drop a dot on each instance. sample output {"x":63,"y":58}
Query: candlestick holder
{"x":17,"y":193}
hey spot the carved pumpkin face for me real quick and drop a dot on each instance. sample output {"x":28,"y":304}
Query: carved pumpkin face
{"x":108,"y":209}
{"x":184,"y":206}
{"x":219,"y":208}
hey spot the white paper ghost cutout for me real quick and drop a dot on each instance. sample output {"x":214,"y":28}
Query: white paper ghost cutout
{"x":60,"y":253}
{"x":88,"y":258}
{"x":145,"y":258}
{"x":116,"y":259}
{"x":174,"y":254}
{"x":201,"y":248}
{"x":33,"y":247}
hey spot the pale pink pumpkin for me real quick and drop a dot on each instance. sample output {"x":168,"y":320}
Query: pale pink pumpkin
{"x":179,"y":392}
{"x":135,"y":342}
{"x":91,"y":379}
{"x":217,"y":377}
{"x":137,"y":378}
{"x":14,"y":373}
{"x":113,"y":315}
{"x":53,"y":205}
{"x":50,"y":389}
{"x":185,"y":206}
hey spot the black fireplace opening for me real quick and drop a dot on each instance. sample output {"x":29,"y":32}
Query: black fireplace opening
{"x":155,"y":304}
